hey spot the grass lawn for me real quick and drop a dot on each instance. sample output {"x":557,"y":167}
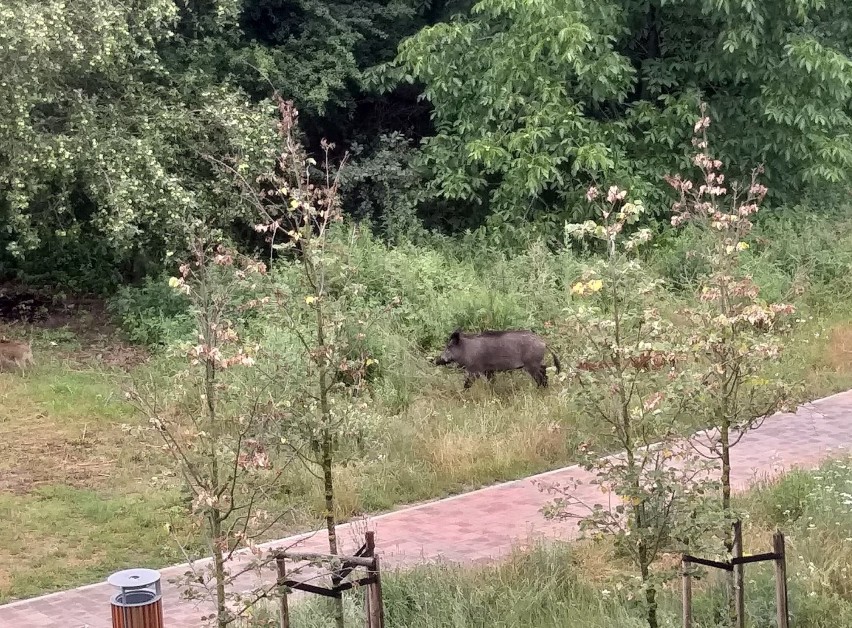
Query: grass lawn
{"x":83,"y":493}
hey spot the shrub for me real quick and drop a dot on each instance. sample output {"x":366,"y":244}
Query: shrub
{"x":151,"y":314}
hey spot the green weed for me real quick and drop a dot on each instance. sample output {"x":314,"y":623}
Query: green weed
{"x":578,"y":584}
{"x":426,"y":437}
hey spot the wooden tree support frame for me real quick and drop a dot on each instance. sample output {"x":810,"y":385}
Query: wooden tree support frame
{"x":372,"y":582}
{"x":736,"y":565}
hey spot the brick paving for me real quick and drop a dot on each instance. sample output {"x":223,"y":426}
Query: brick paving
{"x":478,"y":526}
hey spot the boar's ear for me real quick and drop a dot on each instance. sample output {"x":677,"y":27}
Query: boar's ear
{"x":455,"y":336}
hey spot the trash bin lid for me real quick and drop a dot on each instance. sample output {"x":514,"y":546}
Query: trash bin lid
{"x":134,"y":578}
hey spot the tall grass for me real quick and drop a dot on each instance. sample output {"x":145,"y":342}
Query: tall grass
{"x":557,"y":585}
{"x":425,"y":438}
{"x":445,"y":284}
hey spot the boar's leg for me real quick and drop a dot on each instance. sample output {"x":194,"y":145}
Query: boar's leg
{"x":538,"y":373}
{"x":469,"y":378}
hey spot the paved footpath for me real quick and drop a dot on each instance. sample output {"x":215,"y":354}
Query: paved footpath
{"x":477,"y":526}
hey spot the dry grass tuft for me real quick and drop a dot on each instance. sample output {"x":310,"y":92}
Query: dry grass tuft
{"x":838,"y":351}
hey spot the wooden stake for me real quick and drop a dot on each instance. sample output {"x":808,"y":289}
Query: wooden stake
{"x":373,"y":594}
{"x":687,"y":593}
{"x":370,"y":542}
{"x":739,"y":577}
{"x":282,"y":591}
{"x":781,"y":579}
{"x":377,"y":607}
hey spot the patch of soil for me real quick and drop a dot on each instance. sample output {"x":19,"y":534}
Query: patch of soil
{"x":20,"y":304}
{"x":86,"y":317}
{"x":108,"y":352}
{"x":39,"y":463}
{"x":22,"y":307}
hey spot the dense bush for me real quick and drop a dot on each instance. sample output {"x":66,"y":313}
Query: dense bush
{"x":446,"y":283}
{"x":534,"y":102}
{"x":152,"y":314}
{"x":106,"y":128}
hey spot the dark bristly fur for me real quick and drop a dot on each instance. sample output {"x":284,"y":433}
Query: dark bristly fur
{"x":489,"y":352}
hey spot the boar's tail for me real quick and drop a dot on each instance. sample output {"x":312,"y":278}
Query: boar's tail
{"x":555,"y":361}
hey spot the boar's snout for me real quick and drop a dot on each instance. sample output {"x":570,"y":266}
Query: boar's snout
{"x":446,"y":357}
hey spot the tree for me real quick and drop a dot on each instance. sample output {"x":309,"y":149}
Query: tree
{"x":320,"y":55}
{"x":107,"y":110}
{"x":317,"y":304}
{"x":316,"y":53}
{"x":101,"y":141}
{"x":211,"y":422}
{"x":738,"y":337}
{"x":629,"y":378}
{"x":382,"y":187}
{"x":536,"y":100}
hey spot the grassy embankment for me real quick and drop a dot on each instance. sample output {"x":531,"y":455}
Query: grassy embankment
{"x":81,"y":493}
{"x":581,"y":584}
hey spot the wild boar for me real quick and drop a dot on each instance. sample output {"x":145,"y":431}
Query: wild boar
{"x":15,"y":353}
{"x":485,"y":353}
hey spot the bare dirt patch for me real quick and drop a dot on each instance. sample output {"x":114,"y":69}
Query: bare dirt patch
{"x":106,"y":351}
{"x":48,"y":310}
{"x":25,"y":312}
{"x":60,"y":418}
{"x":46,"y":455}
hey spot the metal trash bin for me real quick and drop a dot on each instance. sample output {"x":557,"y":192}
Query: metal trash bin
{"x":139,"y":601}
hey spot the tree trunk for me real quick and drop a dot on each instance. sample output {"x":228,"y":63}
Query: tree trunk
{"x":222,"y":616}
{"x":725,"y":442}
{"x":330,"y":519}
{"x":639,"y":519}
{"x":328,"y":462}
{"x":650,"y":590}
{"x":645,"y":561}
{"x":215,"y":515}
{"x":328,"y":486}
{"x":652,"y":49}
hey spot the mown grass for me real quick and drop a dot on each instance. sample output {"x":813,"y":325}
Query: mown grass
{"x":76,"y":495}
{"x":76,"y":451}
{"x":581,"y":584}
{"x":65,"y":534}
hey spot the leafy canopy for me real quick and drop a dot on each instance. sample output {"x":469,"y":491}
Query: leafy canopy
{"x":534,"y":100}
{"x":99,"y":139}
